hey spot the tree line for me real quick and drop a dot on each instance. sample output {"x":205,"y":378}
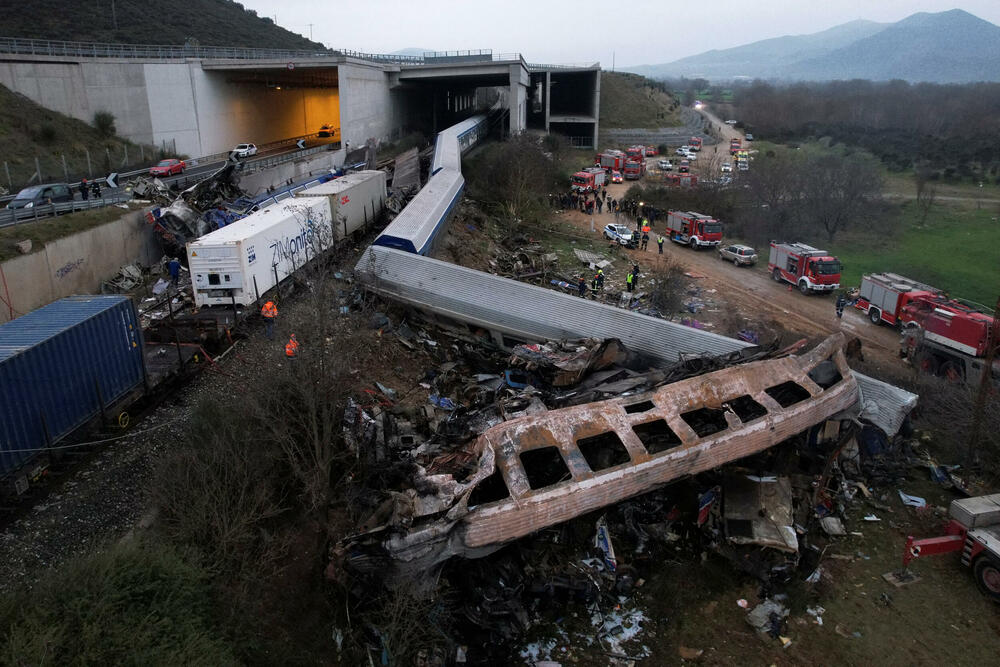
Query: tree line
{"x":955,"y":129}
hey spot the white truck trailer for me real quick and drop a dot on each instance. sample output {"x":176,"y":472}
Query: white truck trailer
{"x":356,"y":200}
{"x":242,"y":261}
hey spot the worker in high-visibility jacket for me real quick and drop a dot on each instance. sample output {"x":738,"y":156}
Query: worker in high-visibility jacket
{"x":270,"y":313}
{"x":292,"y":348}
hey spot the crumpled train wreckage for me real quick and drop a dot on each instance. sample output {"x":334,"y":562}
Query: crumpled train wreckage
{"x":542,"y":467}
{"x":192,"y":214}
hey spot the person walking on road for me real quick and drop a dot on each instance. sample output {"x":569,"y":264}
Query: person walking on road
{"x":600,"y":204}
{"x":292,"y":348}
{"x":841,"y":302}
{"x":645,"y":241}
{"x":659,"y":244}
{"x":84,"y":193}
{"x":270,"y":313}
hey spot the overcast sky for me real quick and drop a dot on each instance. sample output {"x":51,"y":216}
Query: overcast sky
{"x":575,"y":31}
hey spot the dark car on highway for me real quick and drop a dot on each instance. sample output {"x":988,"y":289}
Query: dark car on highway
{"x":38,"y":195}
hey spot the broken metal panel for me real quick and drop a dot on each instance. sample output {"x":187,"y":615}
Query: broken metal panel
{"x":885,"y":405}
{"x":577,"y":489}
{"x":758,"y":510}
{"x":528,"y":312}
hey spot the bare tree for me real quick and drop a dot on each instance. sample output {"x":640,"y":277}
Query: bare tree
{"x":838,"y":191}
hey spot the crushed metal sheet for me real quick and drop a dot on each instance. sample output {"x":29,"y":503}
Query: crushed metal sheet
{"x":759,"y":511}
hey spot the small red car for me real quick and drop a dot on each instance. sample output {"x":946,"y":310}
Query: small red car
{"x":616,"y":176}
{"x":167,"y":168}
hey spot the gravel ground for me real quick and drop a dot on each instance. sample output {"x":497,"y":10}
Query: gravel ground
{"x":101,"y":500}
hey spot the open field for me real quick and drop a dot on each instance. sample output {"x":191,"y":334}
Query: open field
{"x":955,"y":250}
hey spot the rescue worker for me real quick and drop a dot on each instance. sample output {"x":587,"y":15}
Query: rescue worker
{"x":600,"y":278}
{"x":593,"y":286}
{"x":630,"y":282}
{"x":659,"y":244}
{"x":270,"y":313}
{"x":84,"y":192}
{"x":174,"y":268}
{"x":291,"y":348}
{"x":581,"y":286}
{"x":841,"y":302}
{"x":645,"y":240}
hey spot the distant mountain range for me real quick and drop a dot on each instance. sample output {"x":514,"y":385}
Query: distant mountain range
{"x":944,"y":47}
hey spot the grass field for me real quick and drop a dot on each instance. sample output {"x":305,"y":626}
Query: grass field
{"x":956,"y":250}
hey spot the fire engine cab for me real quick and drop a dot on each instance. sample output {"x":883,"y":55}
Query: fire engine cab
{"x":694,"y":229}
{"x":811,"y":269}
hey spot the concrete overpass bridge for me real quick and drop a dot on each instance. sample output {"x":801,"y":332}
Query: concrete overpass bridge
{"x":204,"y":100}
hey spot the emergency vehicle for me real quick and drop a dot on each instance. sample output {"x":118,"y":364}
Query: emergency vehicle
{"x":634,"y":169}
{"x":588,"y":180}
{"x":610,"y":160}
{"x":695,"y":143}
{"x":883,"y":296}
{"x":696,"y":230}
{"x":811,"y":269}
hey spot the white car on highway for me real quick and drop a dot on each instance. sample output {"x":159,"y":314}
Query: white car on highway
{"x":244,"y":150}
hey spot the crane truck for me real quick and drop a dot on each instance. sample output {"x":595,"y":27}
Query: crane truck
{"x":974,"y":530}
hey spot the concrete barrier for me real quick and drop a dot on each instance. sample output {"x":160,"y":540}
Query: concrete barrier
{"x":258,"y":183}
{"x":76,"y":264}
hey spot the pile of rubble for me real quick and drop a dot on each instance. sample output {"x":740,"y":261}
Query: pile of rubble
{"x":500,"y":458}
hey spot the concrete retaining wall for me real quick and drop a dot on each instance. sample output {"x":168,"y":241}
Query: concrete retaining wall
{"x":255,"y":184}
{"x":77,"y":264}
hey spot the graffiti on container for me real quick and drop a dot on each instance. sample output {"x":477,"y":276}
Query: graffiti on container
{"x":68,"y":268}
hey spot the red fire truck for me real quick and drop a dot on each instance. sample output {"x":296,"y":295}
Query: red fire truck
{"x":884,"y":295}
{"x":634,"y":169}
{"x":680,"y":179}
{"x":588,"y":180}
{"x":695,"y":143}
{"x":694,"y":229}
{"x":973,"y":530}
{"x":651,"y":151}
{"x":610,"y":160}
{"x":811,"y":269}
{"x":637,"y":153}
{"x":945,"y":337}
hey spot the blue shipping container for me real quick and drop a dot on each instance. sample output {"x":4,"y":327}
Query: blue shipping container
{"x":58,"y":365}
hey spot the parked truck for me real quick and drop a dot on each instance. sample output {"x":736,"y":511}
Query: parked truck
{"x":695,"y":143}
{"x":810,"y":269}
{"x":634,"y":169}
{"x":696,"y":230}
{"x":883,"y":296}
{"x":734,"y":146}
{"x":637,"y":153}
{"x":972,"y":530}
{"x":610,"y":160}
{"x":589,"y":180}
{"x":945,"y":337}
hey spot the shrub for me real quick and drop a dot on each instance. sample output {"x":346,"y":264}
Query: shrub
{"x":104,"y":122}
{"x":127,"y":605}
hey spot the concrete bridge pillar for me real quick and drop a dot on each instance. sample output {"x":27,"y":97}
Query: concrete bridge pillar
{"x":517,"y":101}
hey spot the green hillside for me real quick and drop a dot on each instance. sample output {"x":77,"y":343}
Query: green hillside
{"x":29,"y":131}
{"x":209,"y":22}
{"x":633,"y":101}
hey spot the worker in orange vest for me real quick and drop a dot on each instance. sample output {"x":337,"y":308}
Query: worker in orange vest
{"x":269,"y":312}
{"x":292,"y":348}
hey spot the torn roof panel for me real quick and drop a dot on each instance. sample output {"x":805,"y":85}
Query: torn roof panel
{"x":530,"y":312}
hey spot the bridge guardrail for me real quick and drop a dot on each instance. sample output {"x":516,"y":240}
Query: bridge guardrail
{"x":14,"y":216}
{"x":46,"y":47}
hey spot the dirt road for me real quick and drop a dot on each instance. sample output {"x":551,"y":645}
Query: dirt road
{"x":751,"y":291}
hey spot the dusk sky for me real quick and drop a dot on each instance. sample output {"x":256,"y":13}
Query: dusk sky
{"x":636,"y":31}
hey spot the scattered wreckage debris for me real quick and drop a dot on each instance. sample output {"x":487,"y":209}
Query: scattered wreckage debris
{"x":194,"y":213}
{"x":537,"y":471}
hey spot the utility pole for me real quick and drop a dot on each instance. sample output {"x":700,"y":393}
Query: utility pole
{"x":612,"y":61}
{"x":310,"y":31}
